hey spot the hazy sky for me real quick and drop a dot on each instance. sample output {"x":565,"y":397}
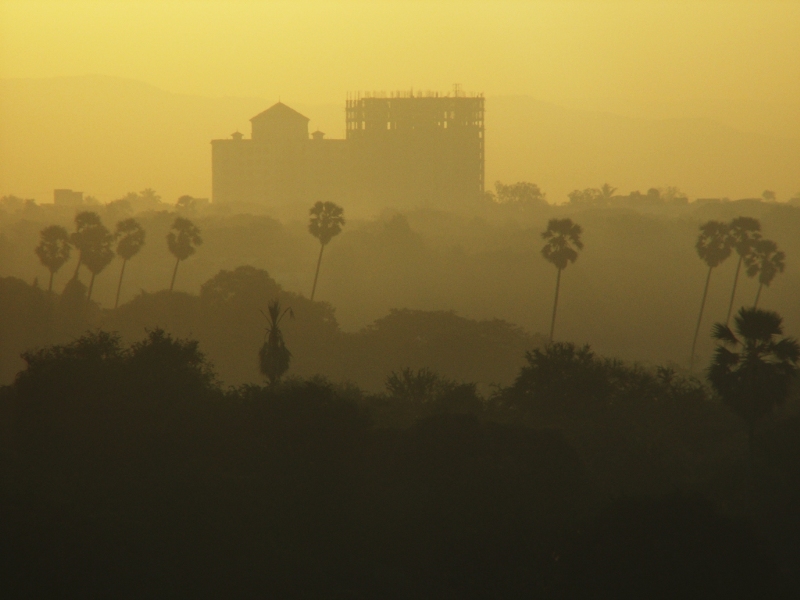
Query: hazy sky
{"x":642,"y":58}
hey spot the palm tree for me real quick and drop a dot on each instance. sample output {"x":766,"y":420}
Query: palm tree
{"x":93,"y":240}
{"x":756,"y":378}
{"x":274,"y":356}
{"x":766,"y":261}
{"x":326,"y":222}
{"x":181,"y":241}
{"x":743,"y":233}
{"x":131,"y":239}
{"x":87,"y":224}
{"x":53,"y":250}
{"x":97,"y":254}
{"x":607,"y":193}
{"x":561,"y":236}
{"x":713,"y":246}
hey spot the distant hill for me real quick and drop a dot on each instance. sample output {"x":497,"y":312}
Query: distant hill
{"x":106,"y":136}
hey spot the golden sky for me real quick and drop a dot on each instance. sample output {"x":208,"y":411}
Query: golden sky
{"x":734,"y":63}
{"x":643,"y":58}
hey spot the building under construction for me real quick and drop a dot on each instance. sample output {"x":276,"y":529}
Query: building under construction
{"x":401,"y":149}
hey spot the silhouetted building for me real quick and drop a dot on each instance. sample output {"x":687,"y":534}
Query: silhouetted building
{"x":67,"y":198}
{"x":401,"y":149}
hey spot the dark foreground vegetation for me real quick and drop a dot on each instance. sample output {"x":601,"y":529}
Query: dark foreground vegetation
{"x":128,"y":471}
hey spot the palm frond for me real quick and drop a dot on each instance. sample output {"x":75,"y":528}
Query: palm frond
{"x":723,"y":333}
{"x":787,"y":350}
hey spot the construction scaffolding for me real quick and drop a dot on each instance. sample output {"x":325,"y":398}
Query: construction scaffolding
{"x":424,"y":146}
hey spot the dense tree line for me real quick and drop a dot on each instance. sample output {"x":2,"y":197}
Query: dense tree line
{"x":482,"y":260}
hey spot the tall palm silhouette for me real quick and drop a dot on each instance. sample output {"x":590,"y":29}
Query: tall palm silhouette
{"x":93,"y":240}
{"x":326,"y":222}
{"x":562,"y":236}
{"x":181,"y":241}
{"x":766,"y":261}
{"x":98,"y":254}
{"x":743,"y":232}
{"x":274,"y":357}
{"x":131,"y":239}
{"x":53,"y":250}
{"x":751,"y":370}
{"x":713,"y":246}
{"x":87,"y":231}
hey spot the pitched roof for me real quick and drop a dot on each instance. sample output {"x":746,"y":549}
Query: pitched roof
{"x":279,"y":111}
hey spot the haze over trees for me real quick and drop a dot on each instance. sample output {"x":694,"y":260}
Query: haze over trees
{"x":434,"y":260}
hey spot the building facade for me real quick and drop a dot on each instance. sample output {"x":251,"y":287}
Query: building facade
{"x":400,"y":150}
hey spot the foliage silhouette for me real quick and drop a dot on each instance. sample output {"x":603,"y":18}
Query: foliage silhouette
{"x":182,"y":241}
{"x":89,"y":230}
{"x":98,"y":255}
{"x":53,"y":250}
{"x":325,"y":223}
{"x":561,"y":236}
{"x":766,"y":261}
{"x":420,"y":386}
{"x":522,"y":193}
{"x":744,"y":233}
{"x":416,"y":394}
{"x":714,"y":245}
{"x":751,"y":370}
{"x":131,"y":237}
{"x":593,"y":196}
{"x":93,"y":241}
{"x":274,"y":357}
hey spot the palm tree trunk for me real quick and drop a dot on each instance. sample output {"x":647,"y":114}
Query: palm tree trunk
{"x":174,"y":273}
{"x":119,"y":285}
{"x":319,"y":261}
{"x":758,"y":295}
{"x":50,"y":287}
{"x":699,"y":319}
{"x":91,"y":285}
{"x":733,"y":293}
{"x":77,"y":267}
{"x":555,"y":305}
